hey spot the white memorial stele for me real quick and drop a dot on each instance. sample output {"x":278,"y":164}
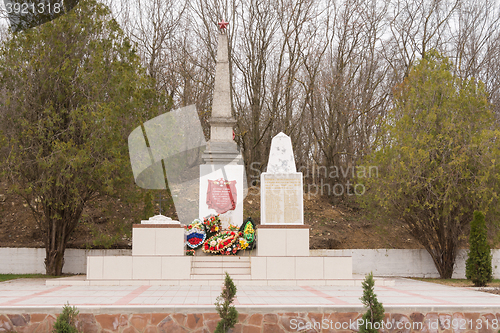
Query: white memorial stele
{"x":281,"y":186}
{"x":282,"y":231}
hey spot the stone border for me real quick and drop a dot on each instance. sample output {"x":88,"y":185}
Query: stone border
{"x":252,"y":322}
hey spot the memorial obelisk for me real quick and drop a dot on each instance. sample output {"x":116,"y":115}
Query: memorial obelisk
{"x":222,"y":175}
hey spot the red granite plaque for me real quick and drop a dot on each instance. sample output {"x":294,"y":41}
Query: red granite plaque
{"x":221,"y":195}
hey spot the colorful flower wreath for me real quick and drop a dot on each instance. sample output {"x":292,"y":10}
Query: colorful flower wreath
{"x":220,"y":242}
{"x":195,"y":234}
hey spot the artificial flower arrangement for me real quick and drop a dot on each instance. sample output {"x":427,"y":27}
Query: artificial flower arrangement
{"x":229,"y":242}
{"x":248,"y":231}
{"x":220,"y":241}
{"x":212,"y":224}
{"x":233,"y":227}
{"x":195,"y":234}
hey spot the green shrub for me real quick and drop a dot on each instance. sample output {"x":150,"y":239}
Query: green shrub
{"x":478,"y":264}
{"x":227,"y":312}
{"x":66,"y":321}
{"x":375,"y":313}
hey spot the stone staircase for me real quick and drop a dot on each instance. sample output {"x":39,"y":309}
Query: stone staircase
{"x":215,"y":267}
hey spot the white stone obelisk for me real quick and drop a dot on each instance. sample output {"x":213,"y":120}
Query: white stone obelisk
{"x":222,"y":175}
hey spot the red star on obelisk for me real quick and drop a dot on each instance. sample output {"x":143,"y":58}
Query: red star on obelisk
{"x":223,"y":25}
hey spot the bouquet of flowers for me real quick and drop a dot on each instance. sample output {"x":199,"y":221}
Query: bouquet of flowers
{"x":212,"y":224}
{"x":190,"y":252}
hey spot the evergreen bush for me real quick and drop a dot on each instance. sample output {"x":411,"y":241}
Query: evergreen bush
{"x":478,"y":265}
{"x":66,"y":322}
{"x":375,"y":313}
{"x":227,"y":312}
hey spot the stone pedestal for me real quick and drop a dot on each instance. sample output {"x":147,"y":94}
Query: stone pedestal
{"x":158,"y":239}
{"x":226,"y":185}
{"x":283,"y":240}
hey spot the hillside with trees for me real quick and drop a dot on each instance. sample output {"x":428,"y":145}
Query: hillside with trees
{"x":398,"y":99}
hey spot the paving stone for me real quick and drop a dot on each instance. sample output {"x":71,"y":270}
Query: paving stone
{"x":87,"y":323}
{"x":157,"y":318}
{"x":151,"y":329}
{"x":400,"y":323}
{"x":315,"y":317}
{"x":130,"y":329}
{"x":19,"y":320}
{"x":236,"y":329}
{"x":201,"y":330}
{"x":140,"y":321}
{"x":250,"y":329}
{"x":112,"y":322}
{"x":255,"y":319}
{"x":292,"y":323}
{"x":211,"y":324}
{"x":487,"y":323}
{"x":50,"y":322}
{"x":272,"y":328}
{"x":431,"y":323}
{"x":444,"y":321}
{"x":417,"y":317}
{"x":29,"y":328}
{"x":180,"y":318}
{"x":210,"y":316}
{"x":457,"y":321}
{"x":5,"y":324}
{"x":242,"y":317}
{"x":194,"y":321}
{"x":38,"y":317}
{"x":169,"y":325}
{"x":271,"y":318}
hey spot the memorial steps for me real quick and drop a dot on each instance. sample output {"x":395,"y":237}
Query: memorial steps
{"x":212,"y":268}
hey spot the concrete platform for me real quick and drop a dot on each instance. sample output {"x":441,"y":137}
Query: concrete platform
{"x":30,"y":305}
{"x":214,"y":280}
{"x":403,"y":294}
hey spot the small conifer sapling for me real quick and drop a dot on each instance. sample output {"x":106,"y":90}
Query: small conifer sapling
{"x":372,"y":319}
{"x":478,"y":265}
{"x":66,"y":321}
{"x":224,"y":307}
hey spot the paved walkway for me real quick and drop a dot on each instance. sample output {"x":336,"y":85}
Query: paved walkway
{"x":406,"y":293}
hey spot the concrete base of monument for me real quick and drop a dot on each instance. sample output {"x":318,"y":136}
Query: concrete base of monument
{"x":210,"y":270}
{"x":158,"y":258}
{"x":283,"y":240}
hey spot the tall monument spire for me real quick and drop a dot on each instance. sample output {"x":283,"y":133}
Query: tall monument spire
{"x":221,"y":149}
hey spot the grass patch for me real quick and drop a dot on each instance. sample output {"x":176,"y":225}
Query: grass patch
{"x":458,"y":282}
{"x":6,"y":277}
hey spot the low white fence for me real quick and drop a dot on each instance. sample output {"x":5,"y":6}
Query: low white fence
{"x":31,"y":261}
{"x":382,"y":262}
{"x":398,"y":262}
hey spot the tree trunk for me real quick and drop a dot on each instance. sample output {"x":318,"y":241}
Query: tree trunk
{"x":444,"y":262}
{"x":54,"y":261}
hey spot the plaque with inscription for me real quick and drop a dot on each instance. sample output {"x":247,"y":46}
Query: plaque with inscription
{"x":282,"y":199}
{"x":221,"y":195}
